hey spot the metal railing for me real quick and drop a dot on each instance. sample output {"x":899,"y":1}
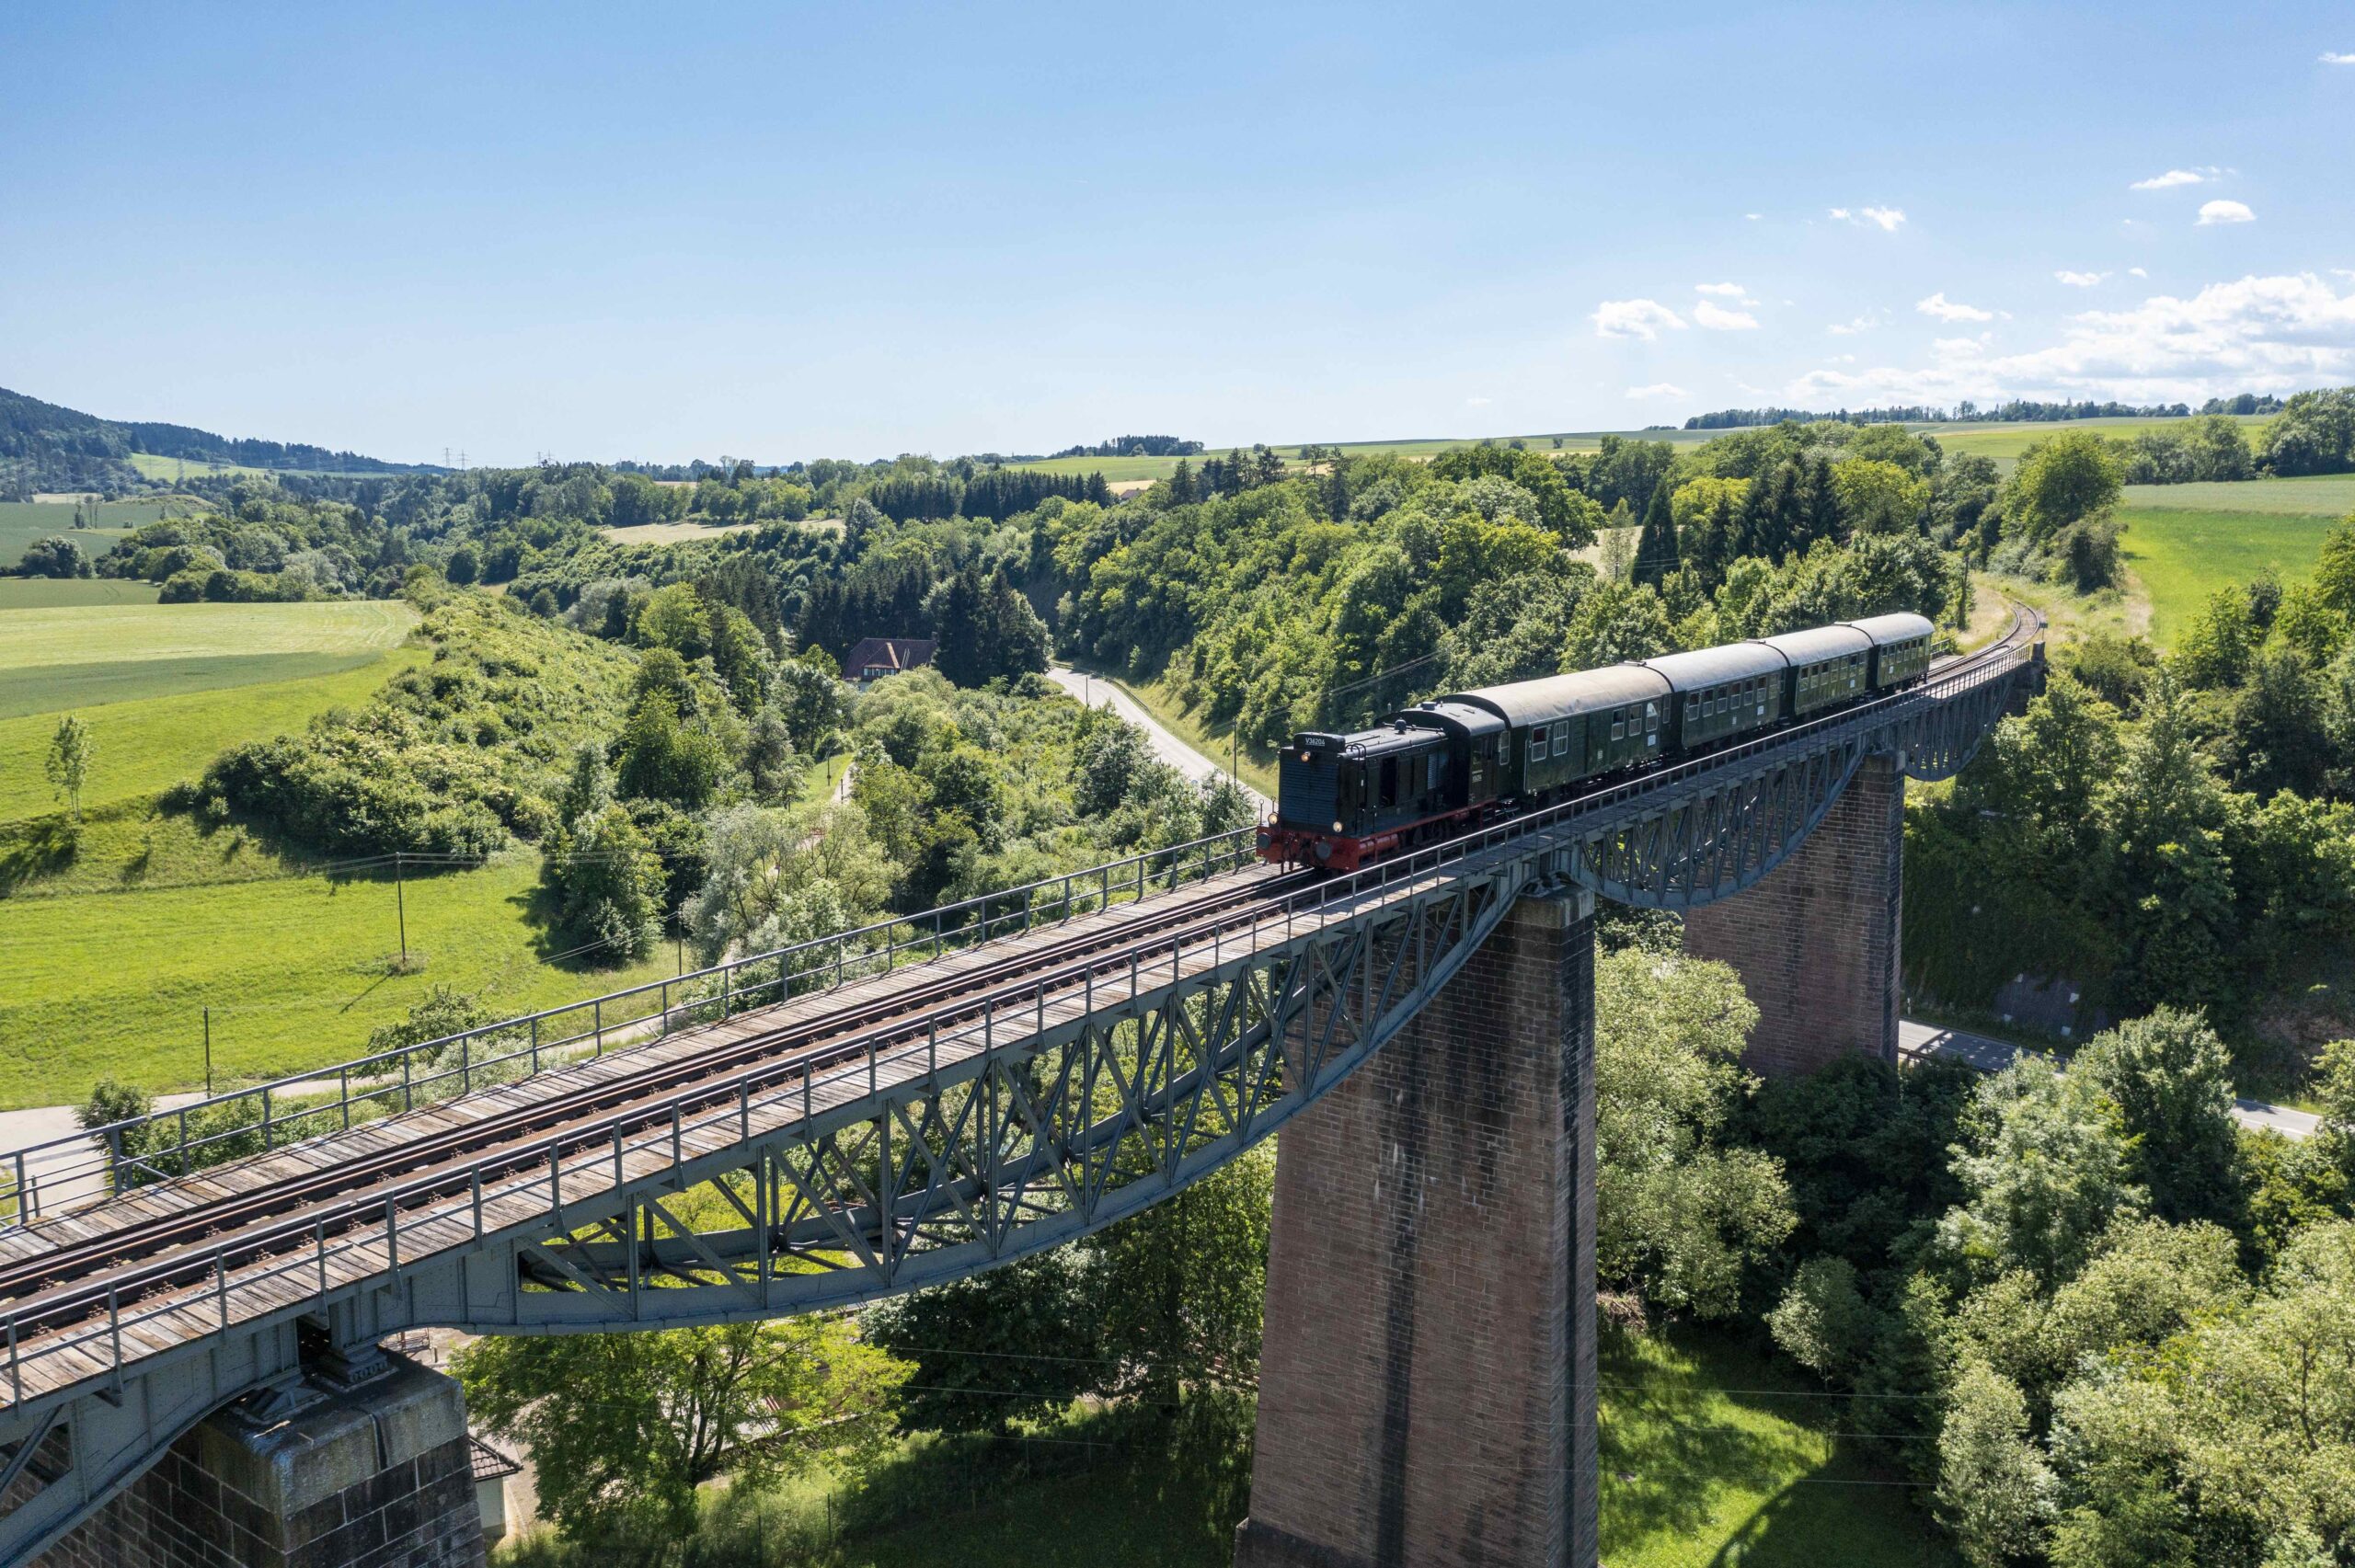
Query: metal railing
{"x":791,"y":1086}
{"x":301,"y":1105}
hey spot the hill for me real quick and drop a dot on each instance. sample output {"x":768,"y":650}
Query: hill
{"x":45,"y":447}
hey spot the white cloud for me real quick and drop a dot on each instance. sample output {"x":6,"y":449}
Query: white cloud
{"x":1729,"y":291}
{"x":2270,"y":334}
{"x":1945,"y":309}
{"x":1884,"y":218}
{"x":1753,"y":217}
{"x":2225,"y":212}
{"x":1865,"y":323}
{"x":1716,"y":318}
{"x":2081,"y":280}
{"x":1657,"y":389}
{"x":1477,"y":402}
{"x":1955,"y":347}
{"x":2334,"y":58}
{"x":2136,"y":272}
{"x":1634,"y":318}
{"x":2168,"y":180}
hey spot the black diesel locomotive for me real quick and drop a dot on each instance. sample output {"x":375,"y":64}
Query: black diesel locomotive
{"x":1447,"y":765}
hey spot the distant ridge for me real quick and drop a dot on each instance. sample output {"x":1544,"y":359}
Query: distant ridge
{"x":44,"y":446}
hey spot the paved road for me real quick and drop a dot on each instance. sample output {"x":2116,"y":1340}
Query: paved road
{"x":20,"y":1129}
{"x":1992,"y":1056}
{"x":1166,"y":745}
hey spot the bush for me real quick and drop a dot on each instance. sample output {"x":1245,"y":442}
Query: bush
{"x":56,"y":557}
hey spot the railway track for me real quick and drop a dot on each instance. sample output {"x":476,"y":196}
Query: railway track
{"x":83,"y":1273}
{"x":67,"y":1283}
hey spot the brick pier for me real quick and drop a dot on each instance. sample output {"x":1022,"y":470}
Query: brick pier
{"x":380,"y":1476}
{"x":1427,"y":1385}
{"x":1816,"y":943}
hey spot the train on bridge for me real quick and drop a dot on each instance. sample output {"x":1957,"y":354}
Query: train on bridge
{"x":1453,"y":762}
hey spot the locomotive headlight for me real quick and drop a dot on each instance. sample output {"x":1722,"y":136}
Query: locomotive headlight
{"x":1303,"y":756}
{"x":1337,"y":827}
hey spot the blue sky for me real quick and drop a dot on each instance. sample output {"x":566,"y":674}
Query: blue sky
{"x":785,"y":232}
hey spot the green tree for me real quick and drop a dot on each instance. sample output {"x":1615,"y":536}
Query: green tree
{"x":623,"y":1428}
{"x":56,"y":557}
{"x":1020,"y":1340}
{"x":664,"y":760}
{"x":2045,"y":1167}
{"x":71,"y":750}
{"x":2065,"y":479}
{"x":2170,"y":1077}
{"x":1681,"y":1209}
{"x":609,"y":885}
{"x":1616,"y":621}
{"x":2214,"y":650}
{"x":1656,"y":555}
{"x":1994,"y":1491}
{"x":1181,"y":1286}
{"x":1879,"y":498}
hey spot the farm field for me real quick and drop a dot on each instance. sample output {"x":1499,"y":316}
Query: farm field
{"x":2181,"y":557}
{"x":2313,"y":495}
{"x":55,"y":593}
{"x":146,"y":745}
{"x":74,"y":657}
{"x":296,"y":971}
{"x":1714,"y":1454}
{"x":2006,"y":442}
{"x":169,"y":469}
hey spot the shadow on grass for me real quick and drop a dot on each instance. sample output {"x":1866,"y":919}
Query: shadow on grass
{"x":35,"y":848}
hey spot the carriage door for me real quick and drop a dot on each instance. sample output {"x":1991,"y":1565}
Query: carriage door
{"x":1651,"y":729}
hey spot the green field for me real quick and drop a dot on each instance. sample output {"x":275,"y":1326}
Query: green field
{"x":54,"y":593}
{"x":145,"y":745}
{"x":2318,"y":495}
{"x":21,"y":522}
{"x":77,"y":657}
{"x":297,"y":972}
{"x":170,"y":469}
{"x":1713,"y":1455}
{"x":2180,"y":558}
{"x":2006,"y":442}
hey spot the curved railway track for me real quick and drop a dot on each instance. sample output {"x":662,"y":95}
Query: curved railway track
{"x":81,"y":1274}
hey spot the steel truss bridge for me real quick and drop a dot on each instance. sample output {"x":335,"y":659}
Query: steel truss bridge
{"x":818,"y":1127}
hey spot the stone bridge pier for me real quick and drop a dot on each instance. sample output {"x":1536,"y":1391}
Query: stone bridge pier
{"x":1816,"y":941}
{"x":374,"y":1472}
{"x":1428,"y":1382}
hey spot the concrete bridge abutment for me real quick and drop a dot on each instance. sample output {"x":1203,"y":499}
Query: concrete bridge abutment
{"x":1817,"y":941}
{"x":1427,"y":1384}
{"x":380,"y":1475}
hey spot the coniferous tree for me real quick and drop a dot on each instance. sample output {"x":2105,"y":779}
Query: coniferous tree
{"x":1656,"y":545}
{"x":1181,"y":485}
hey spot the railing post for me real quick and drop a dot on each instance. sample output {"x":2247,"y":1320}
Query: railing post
{"x":409,"y":1092}
{"x":343,"y":1082}
{"x":597,"y":1018}
{"x":16,"y":1374}
{"x":392,"y":1239}
{"x":114,"y":1327}
{"x":319,"y":1240}
{"x":265,"y":1144}
{"x":221,"y":1283}
{"x":474,"y":1187}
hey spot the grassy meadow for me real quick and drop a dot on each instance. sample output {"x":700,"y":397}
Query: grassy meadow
{"x":115,"y":934}
{"x":296,"y":969}
{"x":2182,"y":542}
{"x":57,"y":593}
{"x":147,"y":745}
{"x":1714,"y":1454}
{"x":2004,"y":443}
{"x":63,"y":656}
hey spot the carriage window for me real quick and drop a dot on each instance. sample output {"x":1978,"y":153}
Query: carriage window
{"x":1562,"y":738}
{"x":1537,"y":744}
{"x":1618,"y":729}
{"x":1651,"y":715}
